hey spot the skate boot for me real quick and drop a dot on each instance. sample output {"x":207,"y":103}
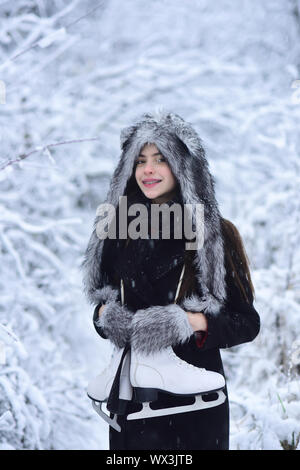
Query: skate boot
{"x":164,"y":371}
{"x":99,"y":388}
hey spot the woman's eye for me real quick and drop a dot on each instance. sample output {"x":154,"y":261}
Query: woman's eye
{"x":160,"y":159}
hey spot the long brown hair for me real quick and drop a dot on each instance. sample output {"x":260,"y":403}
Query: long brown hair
{"x":236,"y":261}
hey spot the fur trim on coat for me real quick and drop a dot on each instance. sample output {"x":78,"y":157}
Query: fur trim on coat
{"x":106,"y":294}
{"x":196,"y":304}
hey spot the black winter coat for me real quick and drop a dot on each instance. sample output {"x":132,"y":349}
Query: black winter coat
{"x":237,"y":323}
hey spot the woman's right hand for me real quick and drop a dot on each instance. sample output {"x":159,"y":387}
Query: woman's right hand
{"x":101,"y":310}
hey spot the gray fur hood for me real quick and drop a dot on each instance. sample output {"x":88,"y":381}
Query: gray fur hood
{"x":183,"y":149}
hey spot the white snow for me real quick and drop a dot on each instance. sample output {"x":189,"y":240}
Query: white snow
{"x":70,"y":86}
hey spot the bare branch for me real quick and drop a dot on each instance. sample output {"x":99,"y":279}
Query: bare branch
{"x":43,"y":149}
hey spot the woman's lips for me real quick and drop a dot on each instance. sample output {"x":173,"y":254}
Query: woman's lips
{"x":150,"y":184}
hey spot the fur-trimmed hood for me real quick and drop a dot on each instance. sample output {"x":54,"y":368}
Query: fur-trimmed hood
{"x":183,"y":149}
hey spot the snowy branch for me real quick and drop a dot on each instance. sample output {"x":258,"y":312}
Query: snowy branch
{"x":45,"y":149}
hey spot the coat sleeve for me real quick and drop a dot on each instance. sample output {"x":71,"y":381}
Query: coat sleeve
{"x":99,"y":329}
{"x":238,"y":322}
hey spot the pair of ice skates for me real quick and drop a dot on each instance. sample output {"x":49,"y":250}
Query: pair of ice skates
{"x":141,"y":377}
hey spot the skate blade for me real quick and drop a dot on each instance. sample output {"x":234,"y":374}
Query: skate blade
{"x":199,"y":404}
{"x":111,"y":421}
{"x":144,"y":395}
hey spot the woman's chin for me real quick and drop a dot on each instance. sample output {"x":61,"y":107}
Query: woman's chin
{"x":151,"y":194}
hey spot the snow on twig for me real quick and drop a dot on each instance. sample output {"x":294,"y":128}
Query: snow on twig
{"x":45,"y":148}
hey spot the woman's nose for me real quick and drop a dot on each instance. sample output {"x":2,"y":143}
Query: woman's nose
{"x":149,"y":167}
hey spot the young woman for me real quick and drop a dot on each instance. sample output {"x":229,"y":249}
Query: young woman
{"x":163,"y":162}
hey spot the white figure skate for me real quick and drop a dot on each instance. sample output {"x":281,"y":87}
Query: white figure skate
{"x":99,"y":388}
{"x":164,"y":371}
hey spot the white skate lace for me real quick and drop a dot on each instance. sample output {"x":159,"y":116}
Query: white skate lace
{"x":182,"y":362}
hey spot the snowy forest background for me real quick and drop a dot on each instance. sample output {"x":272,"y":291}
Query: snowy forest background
{"x":73,"y":73}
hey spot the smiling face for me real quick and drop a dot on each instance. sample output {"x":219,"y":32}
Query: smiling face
{"x":154,"y":176}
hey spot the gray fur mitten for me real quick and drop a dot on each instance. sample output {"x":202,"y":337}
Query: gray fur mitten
{"x":158,"y":327}
{"x":116,"y":319}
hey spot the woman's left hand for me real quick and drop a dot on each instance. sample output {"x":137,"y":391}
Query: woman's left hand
{"x":197,"y":321}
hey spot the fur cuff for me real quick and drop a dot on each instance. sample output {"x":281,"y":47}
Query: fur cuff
{"x":115,"y":322}
{"x":104,"y":295}
{"x":206,"y":304}
{"x":158,"y":327}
